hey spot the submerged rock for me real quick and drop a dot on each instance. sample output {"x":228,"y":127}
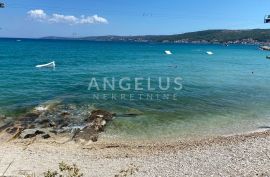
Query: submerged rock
{"x":79,"y":124}
{"x":41,"y":109}
{"x":47,"y":106}
{"x":96,"y":114}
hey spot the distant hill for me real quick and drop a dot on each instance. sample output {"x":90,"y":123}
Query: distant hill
{"x":209,"y":36}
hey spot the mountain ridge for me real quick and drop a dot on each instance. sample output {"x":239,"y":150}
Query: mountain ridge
{"x":207,"y":36}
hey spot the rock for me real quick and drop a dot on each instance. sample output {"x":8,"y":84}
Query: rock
{"x":101,"y":114}
{"x":6,"y":126}
{"x":14,"y":129}
{"x":41,"y":109}
{"x":88,"y":134}
{"x":30,"y":133}
{"x":62,"y":125}
{"x":28,"y":118}
{"x":65,"y":113}
{"x":128,"y":115}
{"x":46,"y":136}
{"x":94,"y":138}
{"x":96,"y":124}
{"x":45,"y":123}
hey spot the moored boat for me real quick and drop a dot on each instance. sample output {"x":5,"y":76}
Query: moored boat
{"x":265,"y":47}
{"x":48,"y":65}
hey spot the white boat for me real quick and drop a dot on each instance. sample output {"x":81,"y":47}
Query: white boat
{"x":167,"y":52}
{"x":210,"y":53}
{"x":48,"y":65}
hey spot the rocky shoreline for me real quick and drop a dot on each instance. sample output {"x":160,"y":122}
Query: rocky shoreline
{"x":47,"y":121}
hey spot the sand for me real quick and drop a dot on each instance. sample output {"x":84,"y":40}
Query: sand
{"x":235,"y":155}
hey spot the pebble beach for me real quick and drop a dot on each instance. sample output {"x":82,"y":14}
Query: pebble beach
{"x":235,"y":155}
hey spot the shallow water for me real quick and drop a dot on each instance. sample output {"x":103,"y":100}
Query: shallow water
{"x":220,"y":93}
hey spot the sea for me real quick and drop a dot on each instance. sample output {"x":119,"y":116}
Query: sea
{"x":186,"y":94}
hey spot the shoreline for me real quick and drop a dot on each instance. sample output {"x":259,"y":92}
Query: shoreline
{"x":182,"y":158}
{"x":245,"y":42}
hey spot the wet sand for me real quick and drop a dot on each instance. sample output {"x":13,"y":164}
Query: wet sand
{"x":235,"y":155}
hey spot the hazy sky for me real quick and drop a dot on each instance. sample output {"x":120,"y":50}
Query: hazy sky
{"x":36,"y":18}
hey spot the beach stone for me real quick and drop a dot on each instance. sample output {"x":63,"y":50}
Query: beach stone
{"x":5,"y":126}
{"x":30,"y":133}
{"x":14,"y":129}
{"x":46,"y":136}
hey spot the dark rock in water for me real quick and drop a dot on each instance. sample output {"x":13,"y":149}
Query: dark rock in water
{"x":96,"y":124}
{"x":46,"y":124}
{"x":101,"y":114}
{"x":128,"y":115}
{"x":30,"y":133}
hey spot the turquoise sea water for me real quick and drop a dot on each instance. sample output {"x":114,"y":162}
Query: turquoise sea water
{"x":225,"y":93}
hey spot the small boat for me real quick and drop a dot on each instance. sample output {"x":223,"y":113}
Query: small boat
{"x":265,"y":48}
{"x":268,"y":57}
{"x":167,"y":52}
{"x":210,"y":53}
{"x":48,"y":65}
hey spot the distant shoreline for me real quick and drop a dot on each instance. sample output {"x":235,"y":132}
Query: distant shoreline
{"x":223,"y":36}
{"x":138,"y":42}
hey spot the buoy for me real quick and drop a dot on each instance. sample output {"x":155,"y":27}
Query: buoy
{"x":210,"y":53}
{"x":167,"y":52}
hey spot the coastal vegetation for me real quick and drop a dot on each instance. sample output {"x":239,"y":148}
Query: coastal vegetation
{"x":65,"y":170}
{"x":252,"y":36}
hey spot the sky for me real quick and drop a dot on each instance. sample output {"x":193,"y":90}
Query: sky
{"x":69,"y":18}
